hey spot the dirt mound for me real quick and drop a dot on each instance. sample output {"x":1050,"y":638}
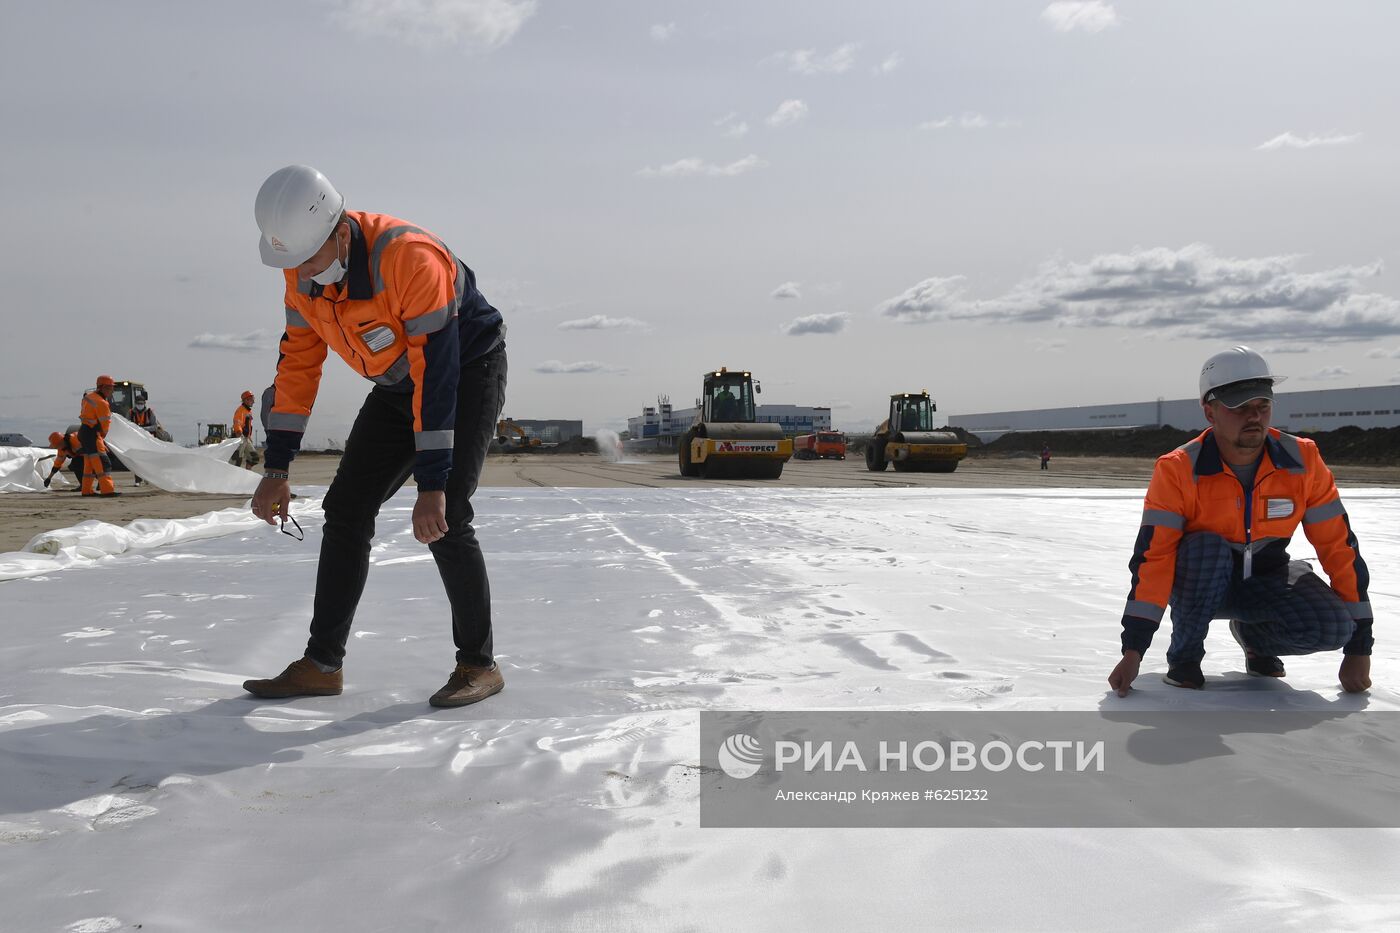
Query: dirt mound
{"x":1345,"y":445}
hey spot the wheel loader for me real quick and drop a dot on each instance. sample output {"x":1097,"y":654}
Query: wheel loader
{"x":726,"y":442}
{"x":907,"y":439}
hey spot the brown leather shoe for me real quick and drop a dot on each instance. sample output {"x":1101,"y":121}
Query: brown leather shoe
{"x":469,"y":685}
{"x":302,"y":678}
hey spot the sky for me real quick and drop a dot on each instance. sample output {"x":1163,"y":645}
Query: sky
{"x":1012,"y":205}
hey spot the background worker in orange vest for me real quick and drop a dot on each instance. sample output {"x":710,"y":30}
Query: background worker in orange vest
{"x":402,"y":310}
{"x":67,"y":446}
{"x":243,"y":428}
{"x":96,"y":417}
{"x":144,"y":416}
{"x":243,"y":417}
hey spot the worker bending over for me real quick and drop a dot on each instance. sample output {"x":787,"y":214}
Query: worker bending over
{"x":68,"y":447}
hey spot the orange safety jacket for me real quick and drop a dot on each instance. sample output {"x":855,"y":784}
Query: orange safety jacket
{"x":96,"y":413}
{"x":242,"y":422}
{"x":407,"y":317}
{"x":1193,"y":490}
{"x":68,"y":451}
{"x":143,"y":417}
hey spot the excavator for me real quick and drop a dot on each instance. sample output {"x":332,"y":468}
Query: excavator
{"x":907,"y":439}
{"x":726,"y":441}
{"x":505,"y":428}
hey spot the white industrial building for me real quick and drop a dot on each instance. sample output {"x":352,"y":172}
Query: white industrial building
{"x":660,"y":425}
{"x":1319,"y":410}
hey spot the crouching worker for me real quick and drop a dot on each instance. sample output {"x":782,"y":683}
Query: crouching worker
{"x":1219,"y":514}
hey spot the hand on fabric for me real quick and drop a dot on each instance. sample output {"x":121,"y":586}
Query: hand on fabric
{"x":1125,"y":673}
{"x":272,"y":500}
{"x":430,"y":516}
{"x":1355,"y":673}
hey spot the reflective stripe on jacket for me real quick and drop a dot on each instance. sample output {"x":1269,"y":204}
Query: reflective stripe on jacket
{"x":96,"y":413}
{"x":407,"y":317}
{"x":1193,"y":490}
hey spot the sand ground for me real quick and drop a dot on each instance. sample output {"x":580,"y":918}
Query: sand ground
{"x":24,"y":515}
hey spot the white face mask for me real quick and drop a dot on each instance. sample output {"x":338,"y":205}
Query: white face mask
{"x":332,"y":273}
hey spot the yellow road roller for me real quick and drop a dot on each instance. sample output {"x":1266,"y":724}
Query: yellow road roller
{"x":907,"y":439}
{"x":726,"y":442}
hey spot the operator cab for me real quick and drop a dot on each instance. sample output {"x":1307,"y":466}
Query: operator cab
{"x":910,"y":412}
{"x":125,"y":395}
{"x":728,"y":397}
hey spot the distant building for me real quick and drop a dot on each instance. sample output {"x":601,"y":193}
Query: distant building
{"x":550,"y":432}
{"x":1318,"y":410}
{"x":660,"y":425}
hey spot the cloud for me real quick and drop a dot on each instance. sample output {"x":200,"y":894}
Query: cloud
{"x":1089,"y":16}
{"x":1290,"y":141}
{"x":808,"y":62}
{"x":929,"y":300}
{"x":817,"y":324}
{"x":258,"y":341}
{"x":663,"y":31}
{"x":732,"y":126}
{"x":1041,"y":345}
{"x":491,"y":23}
{"x":788,"y":113}
{"x":1327,"y":373}
{"x":788,"y":290}
{"x":684,"y":168}
{"x":1189,"y":292}
{"x":1381,"y":353}
{"x":968,"y":121}
{"x":557,"y":367}
{"x":601,"y":322}
{"x":891,"y":62}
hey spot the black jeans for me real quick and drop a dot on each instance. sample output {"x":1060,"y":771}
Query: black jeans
{"x":378,"y":460}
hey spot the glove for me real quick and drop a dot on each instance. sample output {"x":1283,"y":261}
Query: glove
{"x":48,"y":479}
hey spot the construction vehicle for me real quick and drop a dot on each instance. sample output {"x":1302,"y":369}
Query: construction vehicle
{"x":819,"y":446}
{"x":907,"y":439}
{"x":245,"y":456}
{"x":726,"y":441}
{"x":512,"y":436}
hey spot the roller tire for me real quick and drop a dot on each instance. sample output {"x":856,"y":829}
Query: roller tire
{"x":875,"y":457}
{"x":683,"y":455}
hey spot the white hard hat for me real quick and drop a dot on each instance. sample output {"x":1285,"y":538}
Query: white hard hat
{"x":1237,"y":364}
{"x":296,"y":210}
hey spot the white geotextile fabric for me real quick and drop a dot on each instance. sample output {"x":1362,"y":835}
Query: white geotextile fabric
{"x":89,"y":541}
{"x":22,"y":469}
{"x":180,"y":469}
{"x":571,"y":800}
